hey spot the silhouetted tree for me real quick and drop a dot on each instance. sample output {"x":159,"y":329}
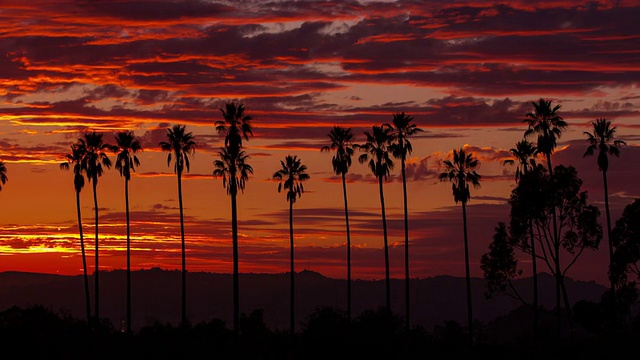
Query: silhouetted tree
{"x":235,"y":125}
{"x":93,"y":161}
{"x":626,"y":239}
{"x":404,"y":128}
{"x":461,"y":172}
{"x":342,"y":143}
{"x":602,"y":141}
{"x":378,"y":159}
{"x":180,"y":146}
{"x":126,"y":162}
{"x":525,"y":153}
{"x":291,"y":176}
{"x":3,"y":174}
{"x":545,"y":122}
{"x":75,"y":158}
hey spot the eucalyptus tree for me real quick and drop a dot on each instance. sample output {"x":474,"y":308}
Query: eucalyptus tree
{"x":342,"y":143}
{"x":126,"y":162}
{"x":74,"y":158}
{"x":234,"y":171}
{"x":404,"y":128}
{"x":546,"y":123}
{"x":94,"y":161}
{"x":180,"y":145}
{"x":3,"y":174}
{"x":292,"y":174}
{"x":525,"y":153}
{"x":602,"y":140}
{"x":235,"y":125}
{"x":378,"y":159}
{"x":461,"y":172}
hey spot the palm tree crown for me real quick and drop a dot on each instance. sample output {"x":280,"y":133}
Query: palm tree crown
{"x":376,"y":150}
{"x":180,"y":146}
{"x":601,"y":139}
{"x":525,"y":153}
{"x":547,"y":124}
{"x":75,"y":157}
{"x":402,"y":128}
{"x":461,"y":172}
{"x":293,"y":173}
{"x":232,"y":180}
{"x":95,"y":156}
{"x":3,"y":174}
{"x":342,"y":143}
{"x":235,"y":125}
{"x":127,"y":147}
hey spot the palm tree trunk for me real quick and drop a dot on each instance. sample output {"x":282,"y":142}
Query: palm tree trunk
{"x":292,"y":324}
{"x":346,"y":219}
{"x":87,"y":296}
{"x":97,"y":265}
{"x":406,"y":246}
{"x":126,"y":197}
{"x":234,"y":232}
{"x":386,"y":248}
{"x":467,"y":273}
{"x":556,"y":242}
{"x":184,"y":261}
{"x":606,"y":208}
{"x":535,"y":283}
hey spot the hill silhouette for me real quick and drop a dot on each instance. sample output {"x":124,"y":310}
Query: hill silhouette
{"x":156,"y":296}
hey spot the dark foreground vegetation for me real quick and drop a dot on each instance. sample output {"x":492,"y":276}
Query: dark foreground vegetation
{"x":596,"y":332}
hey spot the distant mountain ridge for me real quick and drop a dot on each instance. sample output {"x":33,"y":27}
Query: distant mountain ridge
{"x":156,"y":296}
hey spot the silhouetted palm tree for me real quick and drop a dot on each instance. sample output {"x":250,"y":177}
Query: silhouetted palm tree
{"x":379,"y":161}
{"x":461,"y":172}
{"x":291,"y":175}
{"x":235,"y":125}
{"x":75,"y":157}
{"x":545,"y":122}
{"x":525,"y":153}
{"x":126,"y":162}
{"x":180,"y":146}
{"x":602,"y":140}
{"x":3,"y":174}
{"x":93,"y":161}
{"x":342,"y":143}
{"x":404,"y":128}
{"x":234,"y":171}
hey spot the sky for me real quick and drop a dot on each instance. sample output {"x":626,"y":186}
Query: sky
{"x":466,"y":71}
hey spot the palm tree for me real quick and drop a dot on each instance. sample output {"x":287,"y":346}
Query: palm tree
{"x":126,"y":162}
{"x":93,"y":161}
{"x":180,"y":146}
{"x":342,"y":142}
{"x":234,"y":171}
{"x":461,"y":172}
{"x":403,"y":129}
{"x":525,"y":153}
{"x":3,"y":174}
{"x":75,"y":158}
{"x":376,"y":153}
{"x":235,"y":125}
{"x":545,"y":122}
{"x":291,"y":176}
{"x":602,"y":140}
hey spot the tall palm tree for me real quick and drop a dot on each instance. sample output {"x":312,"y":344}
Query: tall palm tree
{"x":3,"y":174}
{"x":461,"y":172}
{"x":602,"y":140}
{"x":342,"y":143}
{"x":126,"y":162}
{"x":235,"y":125}
{"x":545,"y":122}
{"x":75,"y":158}
{"x":404,"y":128}
{"x":525,"y":153}
{"x":378,"y":159}
{"x":291,"y":176}
{"x":180,"y":145}
{"x":234,"y":171}
{"x":95,"y":157}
